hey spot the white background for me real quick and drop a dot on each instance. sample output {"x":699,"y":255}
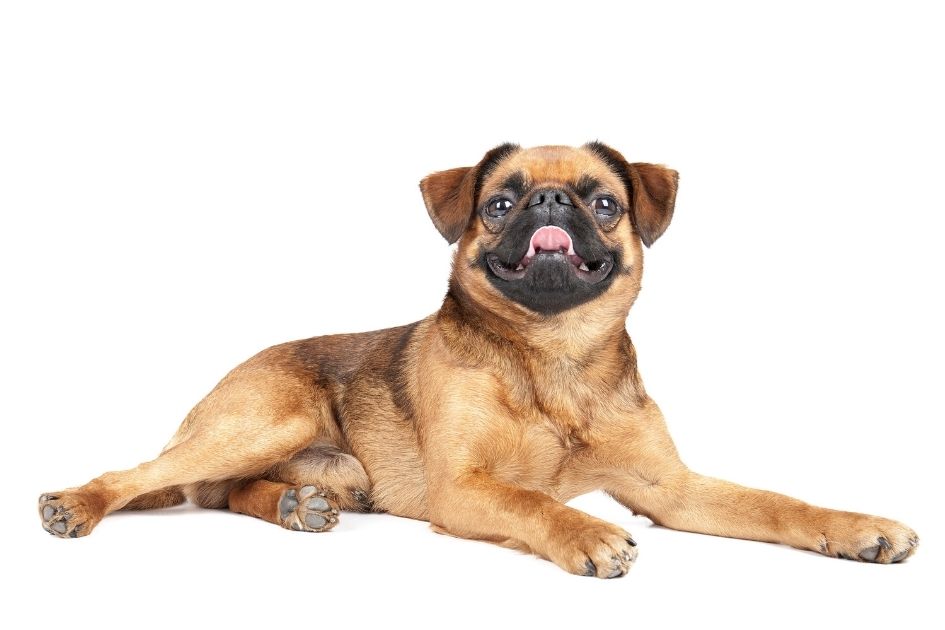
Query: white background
{"x":185,"y":183}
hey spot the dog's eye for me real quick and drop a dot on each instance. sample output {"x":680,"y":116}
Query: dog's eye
{"x":605,"y":206}
{"x":499,"y":208}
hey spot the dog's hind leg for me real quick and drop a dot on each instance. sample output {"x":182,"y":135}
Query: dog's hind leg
{"x":163,"y":498}
{"x":339,"y":474}
{"x":255,"y":418}
{"x":306,"y":492}
{"x":302,"y":508}
{"x":75,"y":512}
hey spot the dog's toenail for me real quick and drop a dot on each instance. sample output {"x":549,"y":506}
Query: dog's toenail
{"x":590,"y":568}
{"x":883,"y":542}
{"x":631,"y":542}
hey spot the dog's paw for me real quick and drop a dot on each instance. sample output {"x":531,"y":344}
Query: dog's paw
{"x":868,"y":538}
{"x":66,"y":514}
{"x":593,"y":548}
{"x":307,"y":509}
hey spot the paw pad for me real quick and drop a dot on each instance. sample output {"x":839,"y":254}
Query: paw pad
{"x":59,"y":517}
{"x":885,"y":551}
{"x":307,"y":509}
{"x":869,"y":554}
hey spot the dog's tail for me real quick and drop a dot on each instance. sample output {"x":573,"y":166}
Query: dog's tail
{"x":163,"y":498}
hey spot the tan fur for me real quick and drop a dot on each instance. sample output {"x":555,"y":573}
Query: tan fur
{"x":483,"y":418}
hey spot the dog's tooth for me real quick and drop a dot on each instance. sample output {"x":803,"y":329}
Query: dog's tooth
{"x":584,"y":267}
{"x":520,"y":267}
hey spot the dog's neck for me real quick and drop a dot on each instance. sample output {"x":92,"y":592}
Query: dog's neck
{"x":574,"y":339}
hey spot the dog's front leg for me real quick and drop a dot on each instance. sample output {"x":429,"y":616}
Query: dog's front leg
{"x":476,"y":505}
{"x":695,"y":503}
{"x":485,"y":469}
{"x":649,"y":478}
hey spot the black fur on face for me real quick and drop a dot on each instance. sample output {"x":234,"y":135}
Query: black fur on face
{"x":550,"y":283}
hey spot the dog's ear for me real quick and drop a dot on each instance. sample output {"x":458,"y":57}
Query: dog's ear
{"x":450,"y":196}
{"x":654,"y":198}
{"x":651,"y":188}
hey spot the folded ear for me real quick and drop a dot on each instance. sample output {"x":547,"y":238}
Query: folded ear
{"x":654,"y":198}
{"x":651,"y":188}
{"x":450,"y":196}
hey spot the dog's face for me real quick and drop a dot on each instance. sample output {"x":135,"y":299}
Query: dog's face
{"x":551,"y":228}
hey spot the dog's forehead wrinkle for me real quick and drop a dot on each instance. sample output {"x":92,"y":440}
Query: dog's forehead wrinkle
{"x":517,"y":182}
{"x":555,"y":166}
{"x":493,"y":160}
{"x":585,"y":185}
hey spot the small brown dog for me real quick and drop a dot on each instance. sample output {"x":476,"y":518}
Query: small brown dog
{"x":520,"y":393}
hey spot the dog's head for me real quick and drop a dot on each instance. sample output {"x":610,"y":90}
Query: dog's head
{"x":551,"y":228}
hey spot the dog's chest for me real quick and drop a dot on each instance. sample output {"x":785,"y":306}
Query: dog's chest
{"x":550,"y":428}
{"x":531,"y":455}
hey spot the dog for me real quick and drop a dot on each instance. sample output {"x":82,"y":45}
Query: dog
{"x":519,"y":394}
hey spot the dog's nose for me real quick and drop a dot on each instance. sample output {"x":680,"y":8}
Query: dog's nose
{"x":550,"y":197}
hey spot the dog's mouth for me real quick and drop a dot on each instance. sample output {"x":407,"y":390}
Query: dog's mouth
{"x":550,"y":245}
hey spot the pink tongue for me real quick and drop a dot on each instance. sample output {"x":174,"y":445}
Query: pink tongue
{"x":550,"y":239}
